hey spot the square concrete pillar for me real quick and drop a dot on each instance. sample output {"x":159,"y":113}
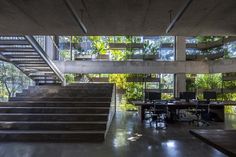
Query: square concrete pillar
{"x":180,"y":55}
{"x":51,"y":49}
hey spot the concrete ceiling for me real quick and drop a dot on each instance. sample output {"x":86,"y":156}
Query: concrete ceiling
{"x":117,"y":17}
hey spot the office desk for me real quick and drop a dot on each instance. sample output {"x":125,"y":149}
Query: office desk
{"x":214,"y":107}
{"x":223,"y":140}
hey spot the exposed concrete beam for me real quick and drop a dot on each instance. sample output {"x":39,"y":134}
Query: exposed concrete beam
{"x":222,"y":66}
{"x":130,"y":67}
{"x":146,"y":67}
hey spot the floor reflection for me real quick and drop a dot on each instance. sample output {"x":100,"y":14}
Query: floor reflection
{"x":173,"y":141}
{"x":120,"y":139}
{"x":127,"y":137}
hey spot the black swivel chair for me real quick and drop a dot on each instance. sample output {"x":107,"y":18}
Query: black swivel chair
{"x":160,"y":114}
{"x":208,"y":96}
{"x":203,"y":114}
{"x":156,"y":114}
{"x":184,"y":115}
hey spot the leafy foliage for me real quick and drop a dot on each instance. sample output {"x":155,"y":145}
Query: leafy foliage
{"x":134,"y":91}
{"x":99,"y":45}
{"x":70,"y":78}
{"x":208,"y":81}
{"x":203,"y":39}
{"x":12,"y":80}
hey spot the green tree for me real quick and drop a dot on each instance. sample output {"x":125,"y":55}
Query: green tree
{"x":12,"y":79}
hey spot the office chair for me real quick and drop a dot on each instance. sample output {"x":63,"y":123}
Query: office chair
{"x":158,"y":115}
{"x":198,"y":113}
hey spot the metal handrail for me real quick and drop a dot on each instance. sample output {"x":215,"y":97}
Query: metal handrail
{"x":42,"y":53}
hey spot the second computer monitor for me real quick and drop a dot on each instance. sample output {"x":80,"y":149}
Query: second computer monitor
{"x":209,"y":95}
{"x":151,"y":96}
{"x":187,"y":95}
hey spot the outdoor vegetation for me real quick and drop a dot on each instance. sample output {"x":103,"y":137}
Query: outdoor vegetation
{"x":12,"y":80}
{"x":122,"y":48}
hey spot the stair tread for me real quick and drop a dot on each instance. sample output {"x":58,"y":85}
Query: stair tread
{"x":54,"y":122}
{"x":63,"y":97}
{"x":49,"y":132}
{"x":65,"y":114}
{"x":73,"y":101}
{"x":56,"y":114}
{"x":52,"y":102}
{"x":9,"y":107}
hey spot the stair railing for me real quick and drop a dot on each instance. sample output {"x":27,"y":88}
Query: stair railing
{"x":42,"y":53}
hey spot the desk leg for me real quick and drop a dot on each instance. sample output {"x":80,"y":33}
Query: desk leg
{"x":217,"y":113}
{"x":141,"y":112}
{"x":172,"y":115}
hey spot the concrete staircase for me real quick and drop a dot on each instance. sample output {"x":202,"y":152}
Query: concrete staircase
{"x":74,"y":113}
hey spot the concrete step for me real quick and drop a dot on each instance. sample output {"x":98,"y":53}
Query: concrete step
{"x":53,"y":104}
{"x":65,"y":110}
{"x":72,"y":99}
{"x":58,"y":90}
{"x":66,"y":94}
{"x":45,"y":79}
{"x":17,"y":49}
{"x":52,"y":113}
{"x":51,"y":136}
{"x":52,"y":117}
{"x":52,"y":125}
{"x":79,"y":86}
{"x":14,"y":42}
{"x":90,"y":85}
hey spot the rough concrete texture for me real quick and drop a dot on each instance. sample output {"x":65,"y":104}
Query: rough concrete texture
{"x":117,"y":17}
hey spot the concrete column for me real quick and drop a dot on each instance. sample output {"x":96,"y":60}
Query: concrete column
{"x":180,"y":55}
{"x":51,"y":50}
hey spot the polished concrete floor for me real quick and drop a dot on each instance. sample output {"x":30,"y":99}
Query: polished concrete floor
{"x":127,"y":138}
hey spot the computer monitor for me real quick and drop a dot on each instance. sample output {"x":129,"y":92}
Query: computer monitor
{"x":151,"y":96}
{"x":209,"y":95}
{"x":187,"y":95}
